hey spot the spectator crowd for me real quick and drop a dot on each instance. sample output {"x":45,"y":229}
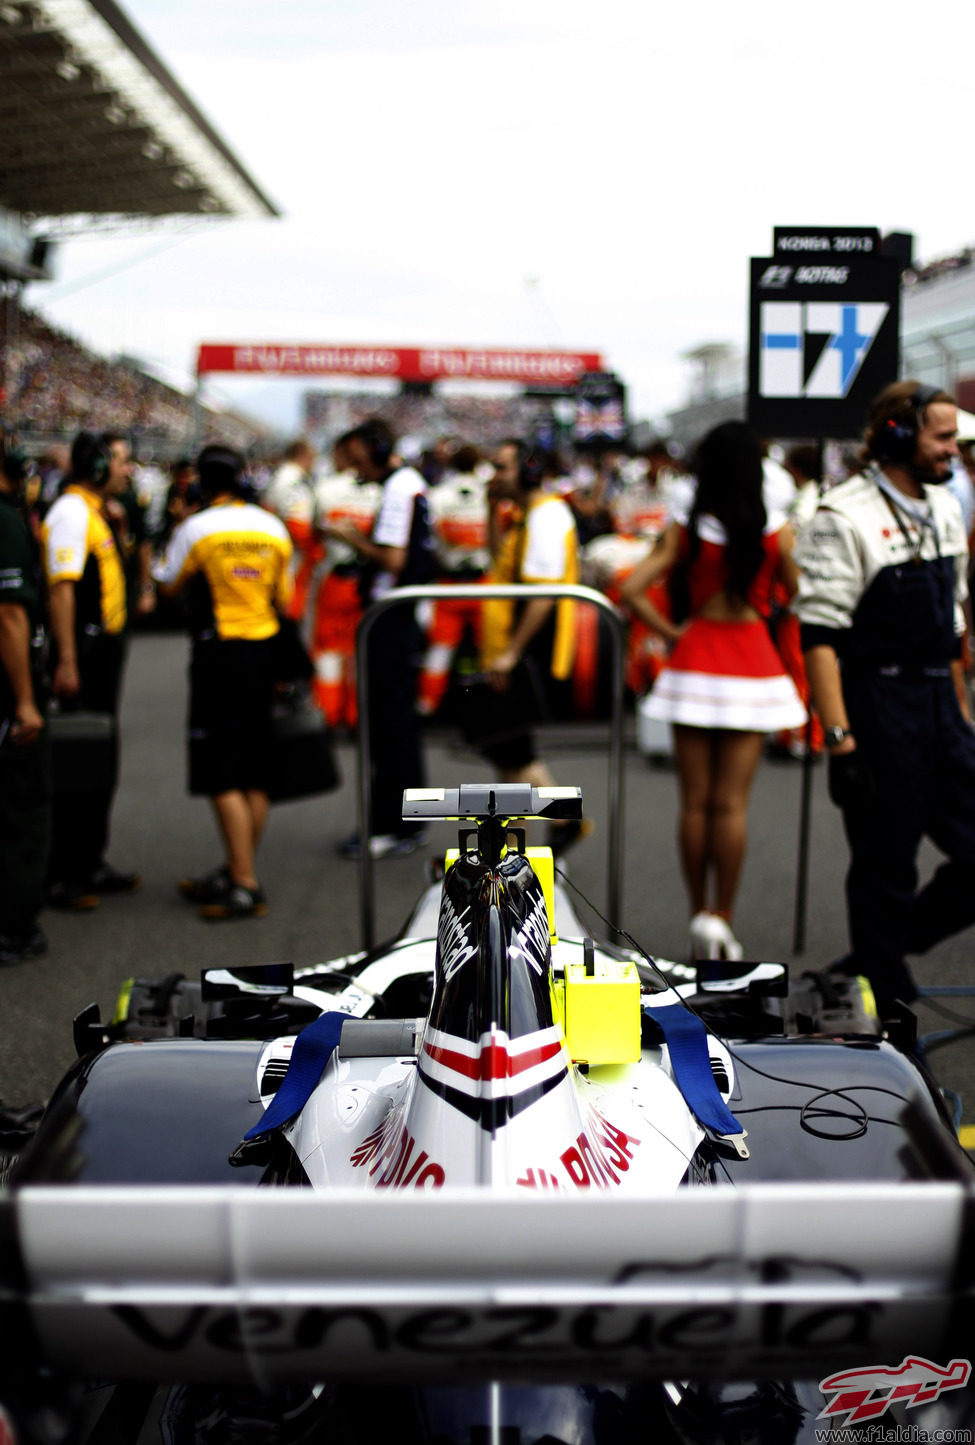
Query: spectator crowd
{"x":52,"y":386}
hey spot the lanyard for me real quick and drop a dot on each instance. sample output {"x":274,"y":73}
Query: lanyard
{"x":922,"y":517}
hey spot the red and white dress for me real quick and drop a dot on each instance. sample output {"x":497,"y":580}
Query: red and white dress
{"x":726,"y":674}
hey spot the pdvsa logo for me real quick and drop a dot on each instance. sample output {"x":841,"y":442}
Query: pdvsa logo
{"x":815,"y":348}
{"x":867,"y":1393}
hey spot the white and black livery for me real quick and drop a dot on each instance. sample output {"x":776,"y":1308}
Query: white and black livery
{"x":492,"y":1181}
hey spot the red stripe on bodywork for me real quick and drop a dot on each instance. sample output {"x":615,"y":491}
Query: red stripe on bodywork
{"x":493,"y":1061}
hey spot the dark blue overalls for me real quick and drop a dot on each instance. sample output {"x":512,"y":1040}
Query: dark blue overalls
{"x":912,"y":775}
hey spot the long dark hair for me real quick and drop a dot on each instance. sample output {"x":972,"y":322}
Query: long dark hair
{"x":729,"y":488}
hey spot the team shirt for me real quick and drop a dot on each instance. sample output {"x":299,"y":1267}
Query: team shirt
{"x":544,"y":548}
{"x":242,"y":553}
{"x":862,"y":557}
{"x":459,"y":518}
{"x":289,"y":496}
{"x":341,"y":497}
{"x":79,"y":546}
{"x":394,"y":520}
{"x":17,"y":574}
{"x":19,"y":584}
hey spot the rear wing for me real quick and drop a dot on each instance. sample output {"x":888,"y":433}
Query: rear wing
{"x":264,"y":1285}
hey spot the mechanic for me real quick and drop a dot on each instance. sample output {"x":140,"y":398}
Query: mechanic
{"x":86,"y":598}
{"x":459,"y":519}
{"x":290,"y":497}
{"x":398,"y":553}
{"x":527,"y":650}
{"x":25,"y":771}
{"x":337,"y":605}
{"x":233,"y":557}
{"x":127,"y":510}
{"x":881,"y":600}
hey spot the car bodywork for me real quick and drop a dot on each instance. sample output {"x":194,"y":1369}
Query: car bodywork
{"x":466,"y":1187}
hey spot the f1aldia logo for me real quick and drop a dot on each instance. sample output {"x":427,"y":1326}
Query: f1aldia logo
{"x":815,"y":348}
{"x":867,"y":1393}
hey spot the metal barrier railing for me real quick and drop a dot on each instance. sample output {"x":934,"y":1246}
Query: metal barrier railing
{"x":409,"y":596}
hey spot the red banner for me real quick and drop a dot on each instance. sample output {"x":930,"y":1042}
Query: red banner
{"x":404,"y":363}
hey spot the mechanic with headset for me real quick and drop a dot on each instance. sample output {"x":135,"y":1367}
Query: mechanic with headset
{"x":86,"y":592}
{"x":881,"y":597}
{"x":25,"y":773}
{"x":398,"y":552}
{"x":233,"y":558}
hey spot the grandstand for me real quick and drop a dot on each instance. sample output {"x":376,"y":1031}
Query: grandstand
{"x":96,"y":134}
{"x":54,"y":386}
{"x":478,"y":419}
{"x":94,"y":128}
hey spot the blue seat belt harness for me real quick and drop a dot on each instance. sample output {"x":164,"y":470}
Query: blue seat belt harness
{"x":687,"y":1043}
{"x":312,"y":1050}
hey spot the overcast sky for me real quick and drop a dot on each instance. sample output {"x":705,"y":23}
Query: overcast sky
{"x":530,"y":172}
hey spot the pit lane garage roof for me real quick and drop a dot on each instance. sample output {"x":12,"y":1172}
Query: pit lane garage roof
{"x":93,"y":125}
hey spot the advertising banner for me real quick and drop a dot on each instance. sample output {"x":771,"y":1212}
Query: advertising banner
{"x":402,"y":363}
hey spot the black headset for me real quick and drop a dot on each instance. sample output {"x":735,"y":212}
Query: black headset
{"x":14,"y":461}
{"x":531,"y":464}
{"x":219,"y":466}
{"x":378,"y":440}
{"x":895,"y":437}
{"x":91,"y":459}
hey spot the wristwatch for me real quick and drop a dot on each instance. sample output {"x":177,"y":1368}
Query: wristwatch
{"x":833,"y":736}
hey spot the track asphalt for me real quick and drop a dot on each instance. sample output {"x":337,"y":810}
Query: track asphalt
{"x":314,"y":912}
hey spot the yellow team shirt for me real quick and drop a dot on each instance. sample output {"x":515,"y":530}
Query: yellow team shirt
{"x":74,"y":533}
{"x":244,"y":554}
{"x":544,"y":547}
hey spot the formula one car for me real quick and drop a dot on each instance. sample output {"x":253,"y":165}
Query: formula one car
{"x":490,"y":1182}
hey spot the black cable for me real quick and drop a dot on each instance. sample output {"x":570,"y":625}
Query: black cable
{"x":809,"y":1104}
{"x":808,"y":1109}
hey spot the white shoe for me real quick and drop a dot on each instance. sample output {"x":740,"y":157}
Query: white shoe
{"x":732,"y":949}
{"x":711,"y":937}
{"x":706,"y":935}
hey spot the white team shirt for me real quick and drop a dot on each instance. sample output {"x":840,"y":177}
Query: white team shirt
{"x":289,"y":494}
{"x":854,"y":535}
{"x":550,"y":535}
{"x":459,"y":519}
{"x":395,"y":518}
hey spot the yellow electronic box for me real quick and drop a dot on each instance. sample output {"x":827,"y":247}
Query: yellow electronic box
{"x":600,"y":1003}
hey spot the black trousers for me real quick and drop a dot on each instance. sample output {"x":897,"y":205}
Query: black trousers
{"x":394,"y":730}
{"x":81,"y":819}
{"x":25,"y":832}
{"x":231,"y":696}
{"x":912,"y":776}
